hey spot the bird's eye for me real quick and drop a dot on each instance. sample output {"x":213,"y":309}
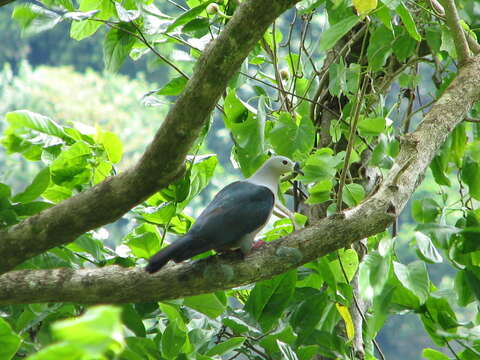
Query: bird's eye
{"x":285,"y":162}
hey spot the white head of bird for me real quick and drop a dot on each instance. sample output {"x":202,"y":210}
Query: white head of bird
{"x":269,"y":173}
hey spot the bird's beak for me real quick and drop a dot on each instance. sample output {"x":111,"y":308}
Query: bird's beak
{"x":297,"y":170}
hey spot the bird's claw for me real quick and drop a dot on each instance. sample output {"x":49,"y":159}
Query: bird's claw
{"x":258,"y":244}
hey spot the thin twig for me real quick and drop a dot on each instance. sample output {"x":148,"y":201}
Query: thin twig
{"x":453,"y":22}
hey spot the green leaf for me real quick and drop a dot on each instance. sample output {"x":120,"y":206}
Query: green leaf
{"x":161,"y":214}
{"x":31,"y":208}
{"x":57,"y":194}
{"x":470,"y":174}
{"x":432,"y":354}
{"x":408,"y":21}
{"x":36,"y":188}
{"x":307,"y":315}
{"x":132,"y":320}
{"x":379,"y":47}
{"x":337,"y":78}
{"x":59,"y":351}
{"x":438,"y":167}
{"x":373,"y":274}
{"x":320,"y":192}
{"x":200,"y":176}
{"x":144,"y":241}
{"x":372,"y":126}
{"x":330,"y":37}
{"x":24,"y":120}
{"x":291,"y":139}
{"x":353,"y":194}
{"x":349,"y":259}
{"x":287,"y":352}
{"x":459,"y":142}
{"x":269,"y":298}
{"x":462,"y":287}
{"x":71,"y":167}
{"x":113,"y":146}
{"x":414,"y":277}
{"x":82,"y":29}
{"x":34,"y":19}
{"x":226,"y":346}
{"x":427,"y":248}
{"x":472,"y":278}
{"x":117,"y":46}
{"x":383,"y":13}
{"x":5,"y":191}
{"x":96,"y":331}
{"x":248,"y":130}
{"x":189,"y":15}
{"x":9,"y":341}
{"x":173,"y":339}
{"x":208,"y":304}
{"x":425,"y":210}
{"x":321,"y":165}
{"x":173,"y":87}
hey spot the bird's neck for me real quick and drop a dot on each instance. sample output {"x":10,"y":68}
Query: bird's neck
{"x":266,"y":178}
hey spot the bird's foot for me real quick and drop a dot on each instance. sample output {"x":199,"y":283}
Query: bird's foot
{"x":258,"y":244}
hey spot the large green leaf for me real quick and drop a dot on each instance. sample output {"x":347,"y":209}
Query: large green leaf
{"x":144,"y":241}
{"x":432,"y":354}
{"x":353,"y":194}
{"x":22,"y":121}
{"x":427,"y":249}
{"x":408,"y":21}
{"x":173,"y":87}
{"x":330,"y":37}
{"x":321,"y":165}
{"x":173,"y":339}
{"x":226,"y":346}
{"x":414,"y":277}
{"x":307,"y":315}
{"x":85,"y":28}
{"x":372,"y":126}
{"x":208,"y":304}
{"x":9,"y":341}
{"x":36,"y":188}
{"x":71,"y":167}
{"x":34,"y":19}
{"x":269,"y":298}
{"x":97,"y":331}
{"x":425,"y":210}
{"x":188,"y":15}
{"x":373,"y":274}
{"x":112,"y":145}
{"x":61,"y":350}
{"x":117,"y":46}
{"x":379,"y":47}
{"x":132,"y":320}
{"x":470,"y":174}
{"x":291,"y":138}
{"x":248,"y":130}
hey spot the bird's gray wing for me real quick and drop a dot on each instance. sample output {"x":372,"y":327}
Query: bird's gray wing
{"x":238,"y":209}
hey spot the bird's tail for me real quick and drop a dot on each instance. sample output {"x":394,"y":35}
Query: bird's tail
{"x":172,"y":252}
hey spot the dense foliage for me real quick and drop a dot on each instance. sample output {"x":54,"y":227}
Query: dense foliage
{"x":339,"y":102}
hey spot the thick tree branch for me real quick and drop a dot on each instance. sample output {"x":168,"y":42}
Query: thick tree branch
{"x":116,"y":285}
{"x":163,"y":162}
{"x":459,"y":39}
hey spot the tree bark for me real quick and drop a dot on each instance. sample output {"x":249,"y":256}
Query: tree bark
{"x":114,"y":284}
{"x":163,"y":161}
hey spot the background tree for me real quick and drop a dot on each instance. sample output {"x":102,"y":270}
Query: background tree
{"x":347,"y":104}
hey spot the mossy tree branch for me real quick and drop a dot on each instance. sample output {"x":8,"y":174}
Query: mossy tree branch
{"x":114,"y":284}
{"x":163,"y":161}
